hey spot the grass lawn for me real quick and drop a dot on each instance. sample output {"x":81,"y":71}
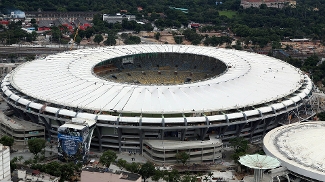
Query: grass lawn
{"x":228,"y":14}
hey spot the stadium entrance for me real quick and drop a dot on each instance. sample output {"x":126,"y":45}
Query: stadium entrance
{"x":74,"y":140}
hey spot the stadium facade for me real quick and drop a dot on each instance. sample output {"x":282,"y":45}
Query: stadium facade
{"x":238,"y":93}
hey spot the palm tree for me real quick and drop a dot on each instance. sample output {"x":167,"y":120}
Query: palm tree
{"x":20,"y":158}
{"x":210,"y":174}
{"x":206,"y":178}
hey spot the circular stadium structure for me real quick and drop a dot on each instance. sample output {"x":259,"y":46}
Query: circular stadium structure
{"x":299,"y":148}
{"x":162,"y":92}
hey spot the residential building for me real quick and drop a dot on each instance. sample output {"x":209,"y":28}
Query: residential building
{"x":90,"y":174}
{"x":64,"y":22}
{"x":45,"y":25}
{"x":4,"y":163}
{"x":82,"y":22}
{"x":117,"y":18}
{"x":4,"y":22}
{"x":53,"y":15}
{"x":268,"y":3}
{"x":32,"y":175}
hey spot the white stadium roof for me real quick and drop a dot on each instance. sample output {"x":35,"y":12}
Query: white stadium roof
{"x":67,"y":79}
{"x":300,"y":147}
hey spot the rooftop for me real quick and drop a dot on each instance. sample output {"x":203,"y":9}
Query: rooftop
{"x":114,"y":177}
{"x":250,"y":79}
{"x":173,"y":145}
{"x":19,"y":124}
{"x":299,"y":147}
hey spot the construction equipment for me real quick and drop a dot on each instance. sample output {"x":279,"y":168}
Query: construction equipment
{"x":75,"y":35}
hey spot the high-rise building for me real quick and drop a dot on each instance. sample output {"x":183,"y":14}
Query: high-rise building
{"x":4,"y":163}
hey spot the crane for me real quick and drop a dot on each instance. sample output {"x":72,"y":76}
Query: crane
{"x":75,"y":35}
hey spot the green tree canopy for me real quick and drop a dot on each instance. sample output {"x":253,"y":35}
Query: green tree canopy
{"x":36,"y":145}
{"x":240,"y":145}
{"x":157,"y":175}
{"x":133,"y":167}
{"x":182,"y":157}
{"x":132,"y":40}
{"x":321,"y":116}
{"x":7,"y":140}
{"x":147,"y":170}
{"x":98,"y":38}
{"x":121,"y":163}
{"x":56,"y":34}
{"x":178,"y":39}
{"x":157,"y":36}
{"x":111,"y":39}
{"x":108,"y":157}
{"x":172,"y":176}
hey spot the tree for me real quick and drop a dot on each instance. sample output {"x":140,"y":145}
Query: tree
{"x":210,"y":174}
{"x":20,"y":158}
{"x":30,"y":57}
{"x":172,"y":176}
{"x":241,"y":147}
{"x":89,"y":32}
{"x":7,"y":141}
{"x":182,"y":157}
{"x":206,"y":178}
{"x":157,"y":175}
{"x":36,"y":145}
{"x":31,"y":37}
{"x":110,"y":41}
{"x":133,"y":167}
{"x":67,"y":171}
{"x":77,"y":39}
{"x":147,"y":170}
{"x":132,"y":40}
{"x":178,"y":39}
{"x":148,"y":27}
{"x":157,"y":36}
{"x":33,"y":21}
{"x":56,"y":34}
{"x":188,"y":178}
{"x":321,"y":116}
{"x":13,"y":164}
{"x":98,"y":38}
{"x":108,"y":157}
{"x":121,"y":163}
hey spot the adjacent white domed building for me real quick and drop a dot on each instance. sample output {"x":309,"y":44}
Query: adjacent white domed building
{"x":299,"y":147}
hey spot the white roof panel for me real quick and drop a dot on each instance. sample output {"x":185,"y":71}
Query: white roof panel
{"x":278,"y":106}
{"x":35,"y":105}
{"x":217,"y":118}
{"x":174,"y":120}
{"x":265,"y":109}
{"x":107,"y":118}
{"x":50,"y":109}
{"x":235,"y":115}
{"x":66,"y":112}
{"x":251,"y":113}
{"x":66,"y":79}
{"x":195,"y":119}
{"x":86,"y":116}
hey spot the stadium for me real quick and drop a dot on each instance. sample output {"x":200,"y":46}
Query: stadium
{"x":137,"y":93}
